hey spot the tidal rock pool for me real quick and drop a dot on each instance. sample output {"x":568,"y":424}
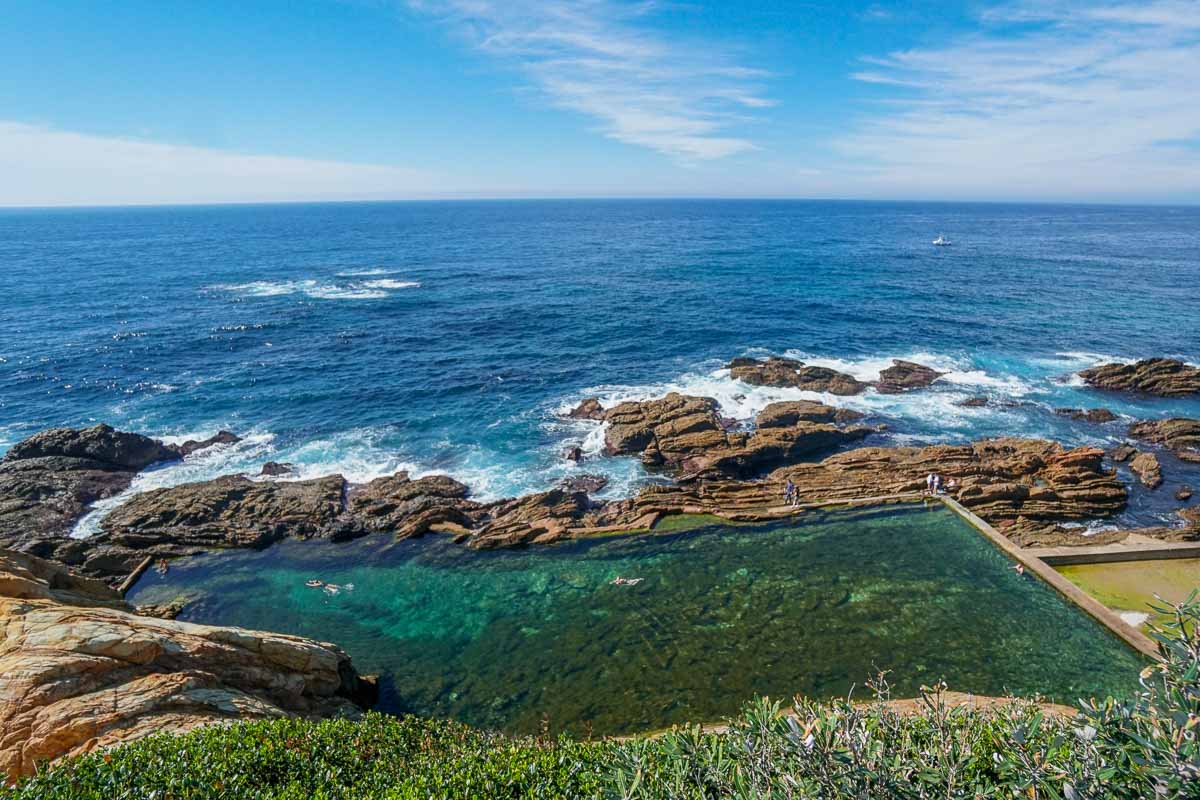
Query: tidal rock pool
{"x":521,"y":639}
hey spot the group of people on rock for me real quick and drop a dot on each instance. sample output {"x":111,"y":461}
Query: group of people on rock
{"x":934,"y":484}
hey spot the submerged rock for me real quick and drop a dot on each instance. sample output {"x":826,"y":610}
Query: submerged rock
{"x":974,"y":402}
{"x":788,"y":372}
{"x":1095,"y":415}
{"x":904,"y":376}
{"x":1165,"y":377}
{"x":83,"y":672}
{"x":1183,"y":493}
{"x":1147,"y":469}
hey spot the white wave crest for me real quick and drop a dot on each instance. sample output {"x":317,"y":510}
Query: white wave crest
{"x":359,"y":273}
{"x":390,"y":283}
{"x":318,"y":290}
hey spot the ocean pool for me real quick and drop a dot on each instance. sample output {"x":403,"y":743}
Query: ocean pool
{"x":521,"y":639}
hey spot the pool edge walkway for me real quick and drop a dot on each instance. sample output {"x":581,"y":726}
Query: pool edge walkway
{"x":1101,"y":613}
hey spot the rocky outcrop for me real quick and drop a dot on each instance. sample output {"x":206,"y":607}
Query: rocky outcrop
{"x":192,"y":445}
{"x":406,"y":507}
{"x":588,"y":409}
{"x":587,"y":483}
{"x":274,"y":469}
{"x":1179,"y":435}
{"x":1165,"y":377}
{"x":48,"y":480}
{"x":1147,"y":469}
{"x":905,"y":376}
{"x":1018,"y":485}
{"x":788,"y":372}
{"x":1183,"y":493}
{"x":686,"y":434}
{"x":91,"y":674}
{"x":785,"y":414}
{"x":1093,"y":415}
{"x":1122,"y":453}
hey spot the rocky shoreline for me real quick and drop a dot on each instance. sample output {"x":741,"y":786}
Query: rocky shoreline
{"x":75,"y":643}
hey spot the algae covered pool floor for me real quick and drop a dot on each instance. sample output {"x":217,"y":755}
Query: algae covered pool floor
{"x":1130,"y":586}
{"x":816,"y":605}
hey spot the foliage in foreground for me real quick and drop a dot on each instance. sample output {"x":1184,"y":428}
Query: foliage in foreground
{"x":1143,"y":747}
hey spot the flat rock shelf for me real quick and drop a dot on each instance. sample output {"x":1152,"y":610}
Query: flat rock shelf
{"x":816,"y":605}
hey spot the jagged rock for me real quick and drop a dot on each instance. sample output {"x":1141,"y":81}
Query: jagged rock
{"x":974,"y":402}
{"x":406,"y":508}
{"x":1180,"y":435}
{"x":588,"y":484}
{"x":588,"y":409}
{"x":1165,"y":377}
{"x":1183,"y":493}
{"x":542,"y":517}
{"x":192,"y":446}
{"x":91,"y":674}
{"x":1094,"y":415}
{"x":27,"y":577}
{"x":573,"y":453}
{"x":1122,"y":453}
{"x":904,"y":376}
{"x":788,"y":372}
{"x":48,"y":480}
{"x":1147,"y":469}
{"x":275,"y":468}
{"x":685,"y":433}
{"x":230,"y":511}
{"x":787,"y":413}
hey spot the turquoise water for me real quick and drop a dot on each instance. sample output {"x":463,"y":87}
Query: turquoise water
{"x":509,"y":639}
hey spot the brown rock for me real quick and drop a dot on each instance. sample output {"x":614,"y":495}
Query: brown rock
{"x":192,"y":446}
{"x":904,"y":376}
{"x":1095,"y":415}
{"x":973,"y":402}
{"x":48,"y":480}
{"x":588,"y":484}
{"x":81,"y":677}
{"x":685,"y":433}
{"x":1180,"y":435}
{"x":588,"y":409}
{"x":787,"y":413}
{"x":408,"y":508}
{"x":1183,"y":493}
{"x":274,"y":468}
{"x":1147,"y":469}
{"x":573,"y":453}
{"x":788,"y":372}
{"x":1165,"y":377}
{"x":1122,"y":453}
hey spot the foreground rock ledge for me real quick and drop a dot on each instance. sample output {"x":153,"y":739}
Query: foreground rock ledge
{"x":80,"y":671}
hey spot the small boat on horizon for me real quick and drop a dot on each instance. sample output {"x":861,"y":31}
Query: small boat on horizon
{"x":942,"y":241}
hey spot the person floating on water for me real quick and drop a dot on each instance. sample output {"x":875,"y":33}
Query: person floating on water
{"x":789,"y":492}
{"x":1019,"y":569}
{"x":619,"y":581}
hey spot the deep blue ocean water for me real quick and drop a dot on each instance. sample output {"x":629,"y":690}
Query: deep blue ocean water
{"x":364,"y":338}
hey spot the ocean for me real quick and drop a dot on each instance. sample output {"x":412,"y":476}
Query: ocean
{"x":450,"y":337}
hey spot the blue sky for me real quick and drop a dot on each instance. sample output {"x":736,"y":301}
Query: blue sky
{"x":171,"y":101}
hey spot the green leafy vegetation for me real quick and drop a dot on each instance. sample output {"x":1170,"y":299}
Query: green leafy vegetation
{"x":1141,"y":747}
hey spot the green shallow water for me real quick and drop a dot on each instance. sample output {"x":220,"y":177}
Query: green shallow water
{"x":816,"y":606}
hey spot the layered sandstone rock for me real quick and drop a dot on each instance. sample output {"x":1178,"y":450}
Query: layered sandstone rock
{"x":788,"y":372}
{"x":905,"y":376}
{"x":408,"y":507}
{"x":687,"y":434}
{"x":1147,"y":469}
{"x":1166,"y":377}
{"x":588,"y":409}
{"x":91,"y":674}
{"x":1180,"y":435}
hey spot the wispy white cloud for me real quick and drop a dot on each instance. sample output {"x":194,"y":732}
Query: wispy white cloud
{"x":45,"y":166}
{"x":1044,"y":100}
{"x":601,"y":58}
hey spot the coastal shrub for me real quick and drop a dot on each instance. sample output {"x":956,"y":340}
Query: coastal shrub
{"x":1143,"y":747}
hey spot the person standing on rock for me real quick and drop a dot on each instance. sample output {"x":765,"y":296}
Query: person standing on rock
{"x":789,"y":492}
{"x":929,"y":479}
